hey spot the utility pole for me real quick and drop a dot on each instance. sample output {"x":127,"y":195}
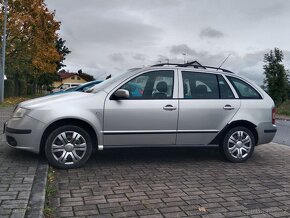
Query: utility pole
{"x":185,"y":57}
{"x":2,"y":73}
{"x":167,"y":59}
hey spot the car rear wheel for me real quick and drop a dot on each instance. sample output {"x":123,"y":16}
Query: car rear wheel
{"x":238,"y":144}
{"x":68,"y":147}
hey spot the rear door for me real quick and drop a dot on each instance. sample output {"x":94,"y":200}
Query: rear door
{"x":206,"y":105}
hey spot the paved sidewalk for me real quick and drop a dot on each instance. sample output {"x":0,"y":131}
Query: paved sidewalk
{"x":5,"y":113}
{"x":283,"y":129}
{"x":177,"y":183}
{"x":17,"y":174}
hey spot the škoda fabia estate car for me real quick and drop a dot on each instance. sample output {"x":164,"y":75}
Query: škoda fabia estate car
{"x":177,"y":105}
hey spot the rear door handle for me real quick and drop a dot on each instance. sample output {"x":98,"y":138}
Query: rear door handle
{"x":169,"y":107}
{"x":228,"y":107}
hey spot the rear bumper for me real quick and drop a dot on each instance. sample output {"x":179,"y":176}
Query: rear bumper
{"x":266,"y":132}
{"x":24,"y":133}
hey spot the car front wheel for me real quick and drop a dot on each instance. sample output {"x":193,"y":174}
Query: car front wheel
{"x":238,"y":144}
{"x":68,"y":147}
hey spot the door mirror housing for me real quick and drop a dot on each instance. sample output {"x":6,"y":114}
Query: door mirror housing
{"x":122,"y":94}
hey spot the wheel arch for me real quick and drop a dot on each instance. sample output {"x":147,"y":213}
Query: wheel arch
{"x":243,"y":123}
{"x":68,"y":121}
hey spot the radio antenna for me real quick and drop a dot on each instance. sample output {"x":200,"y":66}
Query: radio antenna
{"x":223,"y":62}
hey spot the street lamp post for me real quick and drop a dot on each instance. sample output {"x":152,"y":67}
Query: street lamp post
{"x":2,"y":73}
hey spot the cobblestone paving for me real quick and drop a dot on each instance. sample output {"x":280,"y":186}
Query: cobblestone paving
{"x":177,"y":183}
{"x":17,"y":170}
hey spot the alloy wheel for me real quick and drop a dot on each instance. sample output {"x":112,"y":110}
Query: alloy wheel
{"x":239,"y":144}
{"x":69,"y":147}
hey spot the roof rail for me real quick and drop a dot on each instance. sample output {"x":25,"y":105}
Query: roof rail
{"x":218,"y":68}
{"x":194,"y":64}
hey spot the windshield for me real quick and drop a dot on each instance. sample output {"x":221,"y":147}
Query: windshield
{"x":87,"y":86}
{"x":110,"y":81}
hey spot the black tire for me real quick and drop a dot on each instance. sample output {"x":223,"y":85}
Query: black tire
{"x":240,"y":149}
{"x":75,"y":151}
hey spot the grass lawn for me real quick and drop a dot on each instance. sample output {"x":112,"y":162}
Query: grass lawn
{"x":13,"y":101}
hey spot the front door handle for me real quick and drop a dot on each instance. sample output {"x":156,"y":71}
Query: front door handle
{"x":228,"y":107}
{"x":169,"y":107}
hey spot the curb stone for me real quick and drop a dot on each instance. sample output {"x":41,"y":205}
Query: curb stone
{"x":37,"y":197}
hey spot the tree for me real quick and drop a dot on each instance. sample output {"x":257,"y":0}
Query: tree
{"x":86,"y":76}
{"x":63,"y":51}
{"x":276,"y":77}
{"x":31,"y":41}
{"x":46,"y":79}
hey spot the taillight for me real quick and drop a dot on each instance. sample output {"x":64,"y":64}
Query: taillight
{"x":273,"y":115}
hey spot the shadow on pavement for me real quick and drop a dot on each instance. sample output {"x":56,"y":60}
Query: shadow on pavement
{"x":142,"y":155}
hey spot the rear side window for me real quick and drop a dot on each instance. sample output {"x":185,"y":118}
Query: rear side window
{"x":200,"y":85}
{"x":225,"y":90}
{"x":244,"y":90}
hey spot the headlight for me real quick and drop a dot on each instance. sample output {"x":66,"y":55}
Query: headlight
{"x":19,"y":112}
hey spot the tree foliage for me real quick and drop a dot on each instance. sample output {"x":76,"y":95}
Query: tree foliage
{"x":31,"y":41}
{"x":85,"y":76}
{"x":63,"y":51}
{"x":276,"y":77}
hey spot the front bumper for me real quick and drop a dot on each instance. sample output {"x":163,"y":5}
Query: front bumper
{"x":266,"y":132}
{"x":24,"y":133}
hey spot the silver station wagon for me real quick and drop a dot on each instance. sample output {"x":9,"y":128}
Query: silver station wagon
{"x":163,"y":105}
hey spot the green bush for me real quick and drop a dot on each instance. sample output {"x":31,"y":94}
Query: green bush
{"x":284,"y":108}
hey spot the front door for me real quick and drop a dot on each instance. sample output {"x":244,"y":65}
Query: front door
{"x":148,"y":117}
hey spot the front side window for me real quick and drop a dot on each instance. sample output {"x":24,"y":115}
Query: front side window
{"x":151,"y":85}
{"x":244,"y":90}
{"x":200,"y":85}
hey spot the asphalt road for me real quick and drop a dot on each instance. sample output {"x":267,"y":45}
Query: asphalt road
{"x":283,"y":133}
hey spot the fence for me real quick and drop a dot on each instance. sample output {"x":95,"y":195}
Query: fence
{"x":21,"y":87}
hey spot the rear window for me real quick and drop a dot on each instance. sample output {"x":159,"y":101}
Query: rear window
{"x":244,"y":90}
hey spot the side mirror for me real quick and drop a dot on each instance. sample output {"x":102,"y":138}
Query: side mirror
{"x":122,"y":94}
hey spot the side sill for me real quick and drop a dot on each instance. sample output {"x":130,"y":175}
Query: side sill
{"x":158,"y":146}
